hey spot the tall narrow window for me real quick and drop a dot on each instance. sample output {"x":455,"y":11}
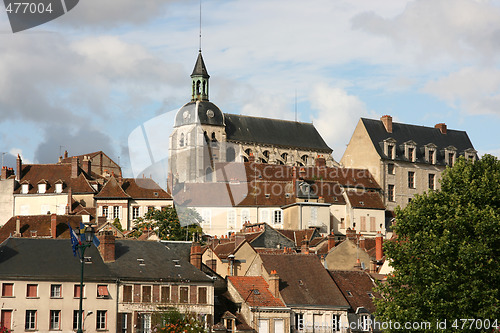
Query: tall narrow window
{"x":55,"y":320}
{"x":390,"y":168}
{"x":135,"y":212}
{"x":184,"y":294}
{"x":30,"y":323}
{"x":146,"y":294}
{"x":105,"y":211}
{"x":116,"y":212}
{"x":411,"y":154}
{"x":165,"y":294}
{"x":336,"y":323}
{"x":202,"y":295}
{"x":362,"y":223}
{"x":127,"y":294}
{"x":101,"y":319}
{"x":411,"y":179}
{"x":390,"y":151}
{"x":231,"y":219}
{"x":451,"y":158}
{"x":76,"y":319}
{"x":55,"y":291}
{"x":432,"y":156}
{"x":277,"y":216}
{"x":390,"y":193}
{"x":432,"y":181}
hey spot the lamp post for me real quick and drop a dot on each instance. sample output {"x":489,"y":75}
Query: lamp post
{"x":86,"y":241}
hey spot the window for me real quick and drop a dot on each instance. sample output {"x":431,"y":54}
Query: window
{"x":42,"y":188}
{"x":6,"y":318}
{"x":102,"y":291}
{"x":76,"y":291}
{"x":365,"y":322}
{"x":7,"y":290}
{"x":116,"y":212}
{"x":432,"y":181}
{"x":76,"y":319}
{"x":146,"y":294}
{"x":299,"y":321}
{"x":184,"y":294}
{"x":55,"y":320}
{"x":279,"y":326}
{"x":55,"y":291}
{"x":432,"y":156}
{"x":101,"y":320}
{"x":124,"y":326}
{"x":314,"y":216}
{"x":373,"y":224}
{"x":263,"y":326}
{"x":105,"y":211}
{"x":411,"y":154}
{"x":165,"y":294}
{"x":390,"y":168}
{"x":127,"y":294}
{"x":231,"y":219}
{"x":202,"y":295}
{"x":336,"y":323}
{"x":277,"y":217}
{"x":390,"y":151}
{"x":264,"y":216}
{"x":411,"y":179}
{"x":362,"y":223}
{"x":146,"y":322}
{"x":32,"y":290}
{"x":25,"y":188}
{"x":342,"y":226}
{"x":30,"y":323}
{"x":451,"y":158}
{"x":59,"y":188}
{"x":390,"y":192}
{"x":135,"y":212}
{"x":181,"y":141}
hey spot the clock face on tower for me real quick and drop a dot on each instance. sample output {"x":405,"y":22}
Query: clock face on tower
{"x":210,"y":114}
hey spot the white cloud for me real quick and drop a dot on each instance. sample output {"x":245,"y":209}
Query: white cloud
{"x":473,"y":90}
{"x":337,"y":114}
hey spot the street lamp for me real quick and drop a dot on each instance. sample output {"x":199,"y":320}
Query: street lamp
{"x":86,"y":237}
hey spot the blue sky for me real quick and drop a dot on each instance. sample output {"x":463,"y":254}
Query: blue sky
{"x":86,"y":80}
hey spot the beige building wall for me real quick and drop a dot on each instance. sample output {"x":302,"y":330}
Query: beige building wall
{"x":6,"y":200}
{"x":66,"y":304}
{"x":41,"y":204}
{"x":299,"y":217}
{"x":86,"y":200}
{"x":338,"y":217}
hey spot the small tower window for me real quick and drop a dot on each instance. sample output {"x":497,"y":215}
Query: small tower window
{"x":214,"y":139}
{"x":198,"y":87}
{"x":181,"y":142}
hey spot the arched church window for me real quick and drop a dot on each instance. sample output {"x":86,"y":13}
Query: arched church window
{"x":214,"y":139}
{"x":230,"y":154}
{"x":284,"y":157}
{"x":304,"y":159}
{"x":204,"y":87}
{"x":266,"y":154}
{"x":198,"y":87}
{"x":181,"y":141}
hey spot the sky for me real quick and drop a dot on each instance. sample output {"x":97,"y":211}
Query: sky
{"x":87,"y":80}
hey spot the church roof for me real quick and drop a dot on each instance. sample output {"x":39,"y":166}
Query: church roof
{"x":199,"y":112}
{"x":274,"y":132}
{"x":199,"y":67}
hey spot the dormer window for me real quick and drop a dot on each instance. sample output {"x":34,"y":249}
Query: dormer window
{"x":59,"y":188}
{"x":25,"y":188}
{"x":430,"y":153}
{"x":42,"y":188}
{"x":470,"y":154}
{"x":450,"y":155}
{"x":410,"y":151}
{"x":390,"y":148}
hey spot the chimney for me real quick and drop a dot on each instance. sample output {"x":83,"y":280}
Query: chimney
{"x":362,"y":244}
{"x":238,"y":239}
{"x":65,"y":154}
{"x":4,"y":173}
{"x":274,"y":284}
{"x":19,"y":164}
{"x":18,"y":227}
{"x":442,"y":127}
{"x":320,"y":161}
{"x":379,"y":251}
{"x":350,"y":234}
{"x":195,"y":256}
{"x":74,"y":167}
{"x":357,"y":266}
{"x":86,"y":165}
{"x":305,"y":246}
{"x":387,"y":121}
{"x":53,"y":226}
{"x":70,"y":201}
{"x":331,"y":241}
{"x":107,"y":247}
{"x":373,"y":266}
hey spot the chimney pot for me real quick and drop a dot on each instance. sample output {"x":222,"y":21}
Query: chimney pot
{"x":19,"y":165}
{"x":65,"y":154}
{"x":387,"y":121}
{"x":195,"y":256}
{"x":274,"y":283}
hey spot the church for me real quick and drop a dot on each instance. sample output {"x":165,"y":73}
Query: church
{"x":203,"y":135}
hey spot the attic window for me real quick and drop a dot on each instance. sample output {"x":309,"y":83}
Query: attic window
{"x":362,"y":203}
{"x":268,"y":195}
{"x":33,"y":233}
{"x":287,"y":195}
{"x":88,"y":260}
{"x":25,"y":188}
{"x":256,"y":292}
{"x":155,"y":194}
{"x":349,"y":293}
{"x":42,"y":188}
{"x":335,"y":199}
{"x":59,"y":188}
{"x":141,"y":262}
{"x":176,"y":263}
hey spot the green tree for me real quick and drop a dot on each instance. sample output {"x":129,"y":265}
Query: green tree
{"x":173,"y":321}
{"x":446,"y":257}
{"x":166,"y":223}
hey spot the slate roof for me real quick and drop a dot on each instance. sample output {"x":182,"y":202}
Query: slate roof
{"x":359,"y":285}
{"x":199,"y":67}
{"x":421,"y":135}
{"x":277,"y":132}
{"x":246,"y":286}
{"x":298,"y":235}
{"x":52,"y":174}
{"x":366,"y":200}
{"x":52,"y":259}
{"x":304,"y":280}
{"x":41,"y":224}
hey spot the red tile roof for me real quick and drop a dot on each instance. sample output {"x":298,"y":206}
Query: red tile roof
{"x":255,"y":291}
{"x":144,"y":188}
{"x":356,"y":287}
{"x":303,"y":280}
{"x":112,"y":189}
{"x":367,"y":200}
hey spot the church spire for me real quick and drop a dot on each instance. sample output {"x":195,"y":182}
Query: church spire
{"x":199,"y":79}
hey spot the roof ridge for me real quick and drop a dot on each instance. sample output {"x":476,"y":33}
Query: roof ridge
{"x":275,"y":119}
